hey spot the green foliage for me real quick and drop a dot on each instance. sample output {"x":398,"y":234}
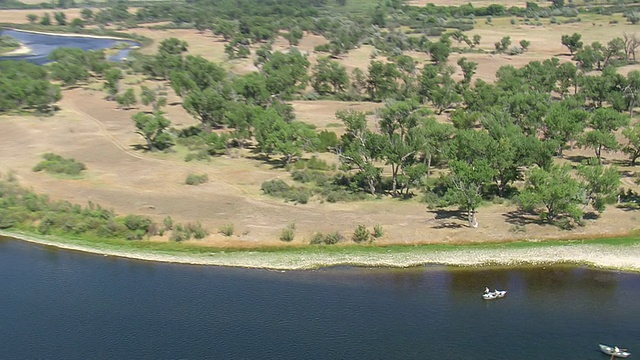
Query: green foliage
{"x":275,"y":187}
{"x":56,"y":164}
{"x":26,"y":87}
{"x":377,"y":231}
{"x":328,"y":239}
{"x":288,"y":233}
{"x":153,"y":128}
{"x":195,"y":179}
{"x":227,"y":229}
{"x":361,"y":234}
{"x":127,"y":99}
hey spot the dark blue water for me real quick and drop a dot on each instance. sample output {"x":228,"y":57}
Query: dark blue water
{"x":41,"y":45}
{"x":58,"y":304}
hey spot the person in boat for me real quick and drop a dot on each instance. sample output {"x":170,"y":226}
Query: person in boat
{"x":616,"y":349}
{"x":486,"y":290}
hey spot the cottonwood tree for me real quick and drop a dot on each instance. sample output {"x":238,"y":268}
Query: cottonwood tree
{"x":564,"y":124}
{"x":466,"y":183}
{"x":152,"y":127}
{"x":360,"y":149}
{"x":572,"y":42}
{"x":603,"y":123}
{"x":554,"y":190}
{"x":632,"y":147}
{"x":600,"y":185}
{"x":329,"y":77}
{"x":208,"y":106}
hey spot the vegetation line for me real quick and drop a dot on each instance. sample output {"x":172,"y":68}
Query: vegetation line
{"x":625,"y":255}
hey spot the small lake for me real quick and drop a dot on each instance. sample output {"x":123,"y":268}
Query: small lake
{"x":59,"y":304}
{"x":42,"y":44}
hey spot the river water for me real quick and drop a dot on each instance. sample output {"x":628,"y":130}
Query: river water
{"x":59,"y":304}
{"x":41,"y":45}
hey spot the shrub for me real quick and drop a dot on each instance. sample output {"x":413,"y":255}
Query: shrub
{"x":168,"y":223}
{"x":288,"y":233}
{"x":180,"y":234}
{"x":317,"y":239}
{"x":56,"y":164}
{"x":333,"y":238}
{"x":227,"y":229}
{"x":377,"y":231}
{"x":361,"y":234}
{"x":197,"y":230}
{"x":193,"y":179}
{"x":275,"y":187}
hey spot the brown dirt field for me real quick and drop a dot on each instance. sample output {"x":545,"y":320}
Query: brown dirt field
{"x":20,"y":16}
{"x":93,"y":131}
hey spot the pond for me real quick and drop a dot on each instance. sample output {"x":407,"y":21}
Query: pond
{"x":70,"y":305}
{"x":43,"y":44}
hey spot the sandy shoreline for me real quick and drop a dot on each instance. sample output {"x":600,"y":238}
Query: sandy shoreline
{"x":77,"y":35}
{"x":22,"y":50}
{"x":626,"y":258}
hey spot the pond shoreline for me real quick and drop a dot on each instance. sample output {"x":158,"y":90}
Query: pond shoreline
{"x":611,"y":257}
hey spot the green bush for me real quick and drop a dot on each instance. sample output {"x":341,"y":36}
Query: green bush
{"x":193,"y":179}
{"x":333,"y":238}
{"x":361,"y":234}
{"x":56,"y":164}
{"x":275,"y":187}
{"x":227,"y":229}
{"x":197,"y":230}
{"x":377,"y":231}
{"x":317,"y":239}
{"x":288,"y":233}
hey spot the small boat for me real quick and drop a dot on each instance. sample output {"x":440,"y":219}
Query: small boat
{"x":614,"y":351}
{"x":494,"y":294}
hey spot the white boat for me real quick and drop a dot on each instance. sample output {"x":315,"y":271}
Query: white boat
{"x":494,"y":294}
{"x":614,"y":351}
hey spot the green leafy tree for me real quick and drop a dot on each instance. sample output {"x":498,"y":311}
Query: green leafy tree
{"x":151,"y":97}
{"x":127,"y":99}
{"x":603,"y":123}
{"x":152,"y":127}
{"x":112,"y":82}
{"x":61,"y":18}
{"x":524,"y":44}
{"x":360,"y":148}
{"x":468,"y":70}
{"x":467,"y":181}
{"x":86,"y":14}
{"x":32,"y":18}
{"x":563,"y":124}
{"x":329,"y":77}
{"x":382,"y":80}
{"x":206,"y":105}
{"x":503,"y":44}
{"x":439,"y":52}
{"x":555,"y":190}
{"x":572,"y":42}
{"x":45,"y":20}
{"x":286,"y":74}
{"x":632,"y":147}
{"x":600,"y":185}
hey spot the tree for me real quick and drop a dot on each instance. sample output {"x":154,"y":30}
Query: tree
{"x":152,"y":127}
{"x":600,"y":185}
{"x":26,"y":86}
{"x":555,"y":190}
{"x":439,"y":52}
{"x":32,"y":18}
{"x":468,"y":70}
{"x":360,"y":148}
{"x":572,"y":42}
{"x":603,"y":123}
{"x":127,"y":99}
{"x":206,"y":105}
{"x":564,"y":124}
{"x":149,"y":96}
{"x":45,"y":20}
{"x":381,"y":80}
{"x":286,"y":74}
{"x":112,"y":82}
{"x":70,"y":65}
{"x":524,"y":44}
{"x":467,"y":181}
{"x":61,"y":18}
{"x":632,"y":147}
{"x":503,"y":44}
{"x":77,"y":23}
{"x":86,"y":14}
{"x":329,"y":77}
{"x":397,"y":123}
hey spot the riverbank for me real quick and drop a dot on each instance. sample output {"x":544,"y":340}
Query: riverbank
{"x":74,"y":35}
{"x":614,"y":257}
{"x":22,"y":50}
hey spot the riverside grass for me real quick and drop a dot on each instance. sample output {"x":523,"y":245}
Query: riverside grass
{"x":619,"y":253}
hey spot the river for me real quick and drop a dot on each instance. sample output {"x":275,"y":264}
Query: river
{"x":60,"y":304}
{"x":43,"y":44}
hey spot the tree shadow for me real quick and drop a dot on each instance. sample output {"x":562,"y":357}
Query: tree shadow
{"x":447,"y":216}
{"x":577,"y":158}
{"x":519,"y":217}
{"x":274,"y":163}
